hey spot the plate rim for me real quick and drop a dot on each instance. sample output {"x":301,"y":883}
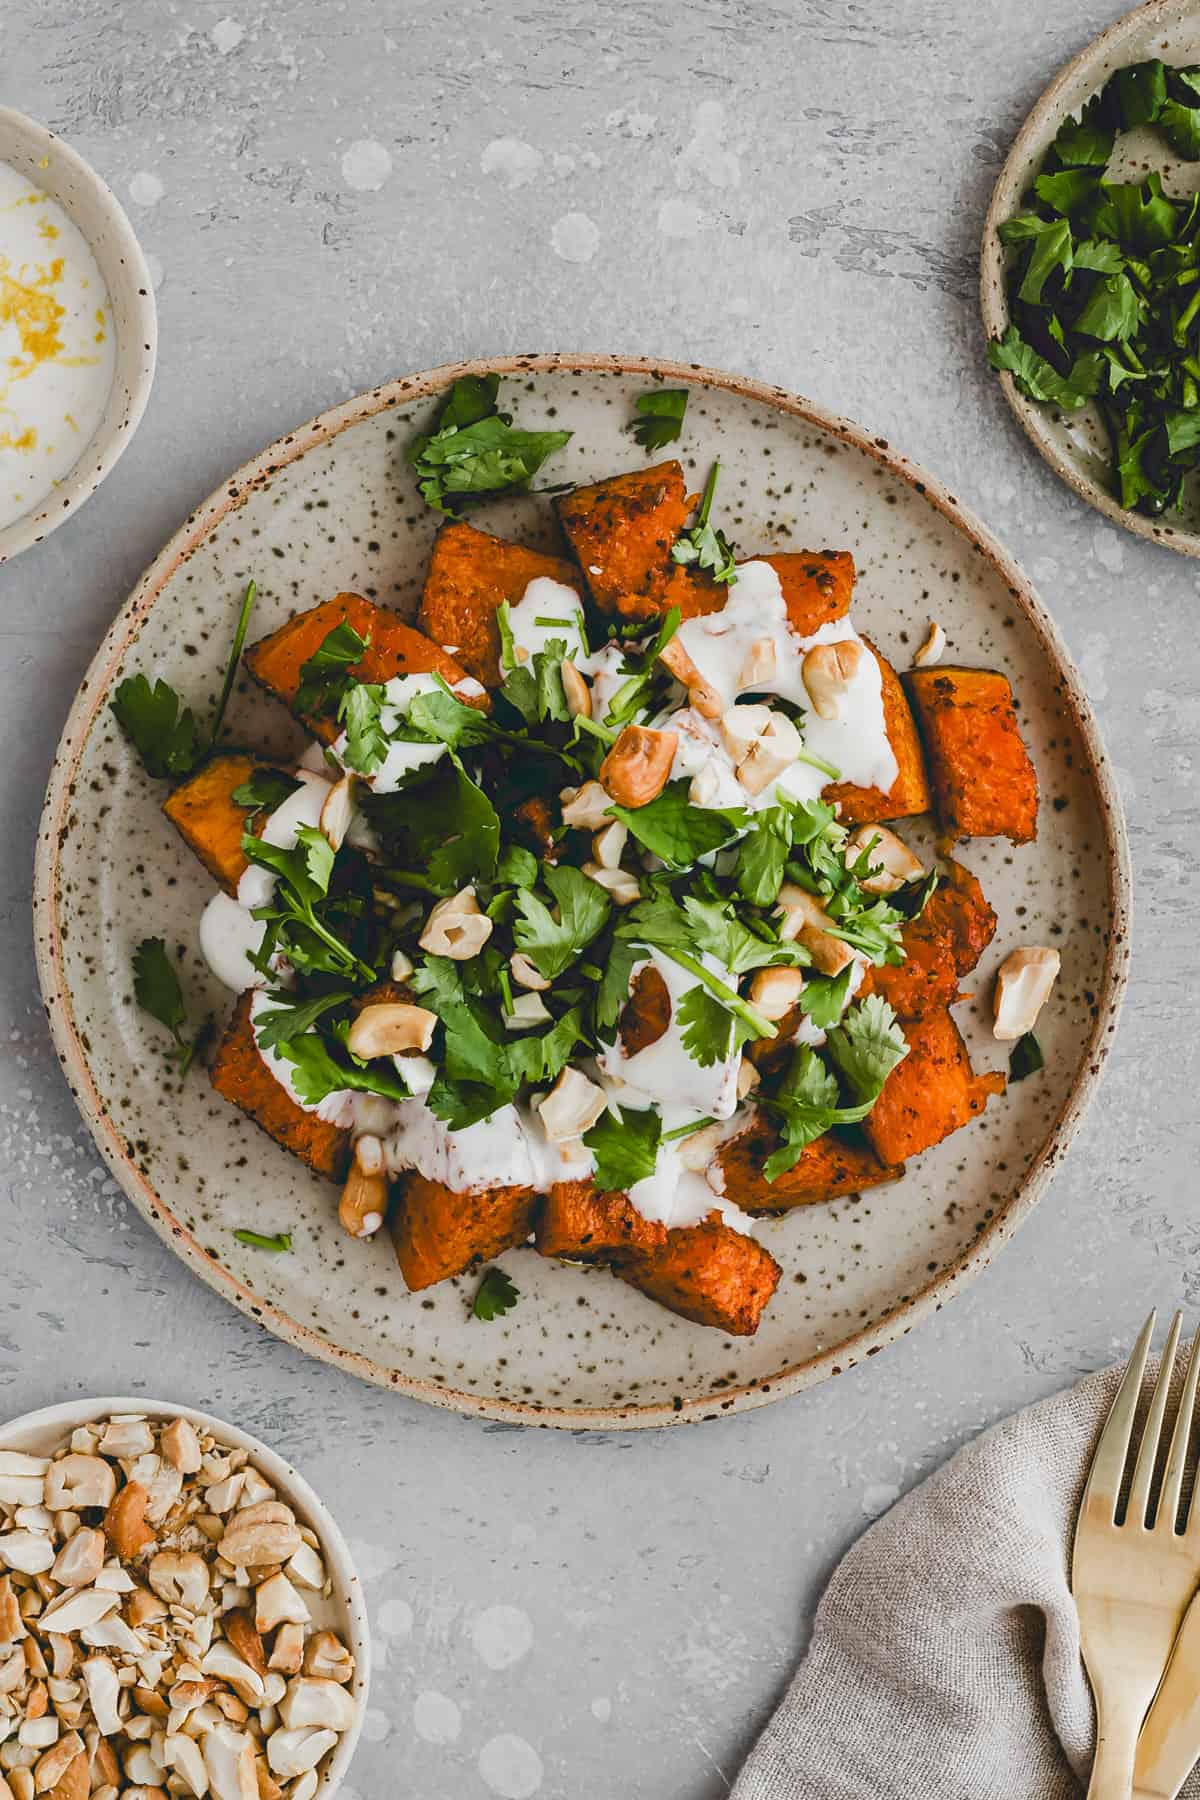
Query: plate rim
{"x":92,"y":694}
{"x":993,"y":300}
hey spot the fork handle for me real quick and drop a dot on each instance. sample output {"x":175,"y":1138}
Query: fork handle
{"x":1116,"y":1749}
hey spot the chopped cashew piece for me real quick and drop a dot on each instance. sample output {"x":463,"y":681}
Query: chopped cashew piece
{"x":103,"y":1690}
{"x":892,"y":862}
{"x":774,"y":992}
{"x":402,"y":966}
{"x":180,"y":1577}
{"x":587,"y":808}
{"x":638,"y":767}
{"x":276,"y":1602}
{"x":806,"y":922}
{"x":76,"y":1482}
{"x":327,"y":1658}
{"x":28,"y":1552}
{"x":310,"y":1700}
{"x":623,"y":887}
{"x":933,"y":649}
{"x":526,"y":974}
{"x":774,"y":749}
{"x":1023,"y":986}
{"x":295,"y":1752}
{"x":81,"y":1558}
{"x":181,"y":1447}
{"x":337,"y":812}
{"x":827,"y":671}
{"x":287,"y":1652}
{"x":390,"y":1028}
{"x":575,"y":688}
{"x":697,"y":1150}
{"x":759,"y":665}
{"x":701,"y":693}
{"x":528,"y":1010}
{"x":741,"y":726}
{"x":456,"y":927}
{"x":229,"y":1761}
{"x":571,"y":1107}
{"x":748,"y":1078}
{"x":609,"y":844}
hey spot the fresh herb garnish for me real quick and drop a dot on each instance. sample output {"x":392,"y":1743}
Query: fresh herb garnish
{"x":865,"y":1049}
{"x":264,"y":790}
{"x":660,"y":417}
{"x":280,"y":1242}
{"x":679,"y":833}
{"x":157,"y":991}
{"x":300,"y":917}
{"x":325,"y":677}
{"x":1104,"y":287}
{"x":474,"y":448}
{"x":551,"y":943}
{"x":535,"y":688}
{"x":625,"y":1146}
{"x":1025,"y":1058}
{"x":702,"y":544}
{"x":160,"y":727}
{"x":709,"y":1031}
{"x":316,"y":1071}
{"x":494,"y":1296}
{"x":361,"y":712}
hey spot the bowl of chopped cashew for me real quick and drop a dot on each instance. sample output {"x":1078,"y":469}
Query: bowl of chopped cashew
{"x":179,"y":1613}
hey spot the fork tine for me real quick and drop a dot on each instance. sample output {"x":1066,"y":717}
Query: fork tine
{"x":1108,"y":1464}
{"x":1181,"y":1439}
{"x":1143,"y":1474}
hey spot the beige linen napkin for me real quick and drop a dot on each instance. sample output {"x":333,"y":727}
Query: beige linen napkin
{"x":944,"y":1662}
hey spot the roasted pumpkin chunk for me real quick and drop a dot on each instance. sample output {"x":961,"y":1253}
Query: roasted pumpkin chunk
{"x":579,"y":1224}
{"x":395,"y":648}
{"x":470,"y":574}
{"x":959,"y":908}
{"x":208,"y":818}
{"x":438,"y":1233}
{"x":240,"y":1075}
{"x":984,"y":783}
{"x":708,"y":1273}
{"x":831,"y":1166}
{"x":909,"y":793}
{"x":930,"y":1094}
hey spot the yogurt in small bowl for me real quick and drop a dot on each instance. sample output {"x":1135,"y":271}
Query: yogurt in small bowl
{"x":78,"y":331}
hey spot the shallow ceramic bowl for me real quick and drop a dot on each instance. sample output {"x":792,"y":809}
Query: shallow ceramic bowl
{"x":1076,"y":445}
{"x":91,"y":204}
{"x":333,"y":506}
{"x":40,"y":1434}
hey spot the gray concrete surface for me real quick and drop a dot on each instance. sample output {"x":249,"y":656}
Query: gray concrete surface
{"x":335,"y":193}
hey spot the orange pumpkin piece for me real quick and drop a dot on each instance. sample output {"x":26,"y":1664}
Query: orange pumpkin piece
{"x":909,"y":793}
{"x":470,"y":574}
{"x":984,"y":783}
{"x":581,"y":1225}
{"x":834,"y":1165}
{"x":708,"y":1273}
{"x":438,"y":1233}
{"x":930,"y":1094}
{"x":959,"y":907}
{"x":395,"y":648}
{"x":208,"y":818}
{"x":240,"y":1075}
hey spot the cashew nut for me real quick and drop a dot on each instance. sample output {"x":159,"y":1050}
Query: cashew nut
{"x":364,"y":1202}
{"x":701,"y":693}
{"x":527,"y":1011}
{"x":77,"y":1481}
{"x":775,"y":749}
{"x":622,"y":887}
{"x":748,"y":1078}
{"x":526,"y":974}
{"x":740,"y":726}
{"x":638,"y":766}
{"x":609,"y":844}
{"x":806,"y":922}
{"x":1023,"y":986}
{"x":827,"y":671}
{"x":774,"y":992}
{"x":125,"y":1524}
{"x":337,"y":812}
{"x":587,"y":807}
{"x":389,"y":1028}
{"x":571,"y":1107}
{"x":933,"y":649}
{"x":891,"y":861}
{"x":575,"y":688}
{"x":759,"y":665}
{"x":456,"y":927}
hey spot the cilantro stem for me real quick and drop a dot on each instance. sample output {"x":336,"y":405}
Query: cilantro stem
{"x":259,"y":1240}
{"x":235,"y":657}
{"x":682,"y":1131}
{"x":596,"y":730}
{"x":817,"y":762}
{"x":508,"y":648}
{"x":732,"y":1001}
{"x":583,"y":636}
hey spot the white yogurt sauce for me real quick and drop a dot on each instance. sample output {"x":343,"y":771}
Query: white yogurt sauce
{"x":336,"y":1108}
{"x":228,"y":935}
{"x":664,"y":1073}
{"x":403,"y":758}
{"x":546,"y":598}
{"x":57,"y":345}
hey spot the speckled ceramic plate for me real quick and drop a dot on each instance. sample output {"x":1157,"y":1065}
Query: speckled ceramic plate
{"x":1076,"y":444}
{"x":333,"y":506}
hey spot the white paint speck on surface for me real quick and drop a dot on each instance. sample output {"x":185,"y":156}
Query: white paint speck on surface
{"x":154,"y":264}
{"x":502,"y":1635}
{"x":146,"y":188}
{"x":510,"y":1766}
{"x":436,"y":1718}
{"x":575,"y":238}
{"x":706,"y":157}
{"x":602,"y":1708}
{"x":366,"y":165}
{"x":879,"y":1497}
{"x":680,"y":218}
{"x":395,"y":1618}
{"x":511,"y":160}
{"x":376,"y":1725}
{"x":1108,"y":547}
{"x":227,"y":34}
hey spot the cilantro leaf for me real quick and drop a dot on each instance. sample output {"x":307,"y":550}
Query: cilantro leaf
{"x":660,"y":417}
{"x":495,"y":1295}
{"x":674,"y":830}
{"x":762,"y":857}
{"x":317,"y":1072}
{"x":517,"y":867}
{"x":158,"y":725}
{"x":1025,"y":1058}
{"x":324,"y":678}
{"x":823,"y":998}
{"x":264,"y":790}
{"x":866,"y":1047}
{"x":300,"y":924}
{"x":710,"y":1032}
{"x":613,"y":990}
{"x":157,"y":991}
{"x":704,"y":546}
{"x":1112,"y":310}
{"x":476,"y":449}
{"x":1039,"y":379}
{"x":535,"y":688}
{"x":625,"y":1146}
{"x":289,"y":1017}
{"x":443,"y":716}
{"x":361,"y":712}
{"x":278,"y":1242}
{"x":552,"y":943}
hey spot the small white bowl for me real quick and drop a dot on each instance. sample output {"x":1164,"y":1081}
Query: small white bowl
{"x":90,"y":204}
{"x":40,"y":1433}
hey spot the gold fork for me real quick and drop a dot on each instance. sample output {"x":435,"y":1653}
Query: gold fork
{"x":1132,"y":1577}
